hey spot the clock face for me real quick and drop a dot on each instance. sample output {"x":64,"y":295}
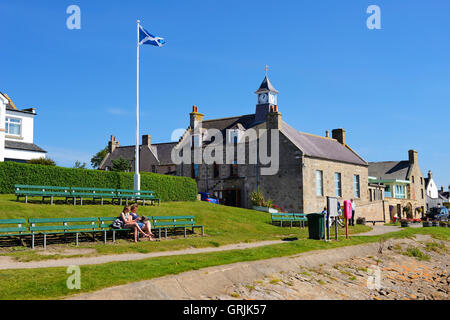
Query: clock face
{"x":263,"y":98}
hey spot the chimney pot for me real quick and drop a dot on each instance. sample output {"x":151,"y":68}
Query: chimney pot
{"x":413,"y":156}
{"x":147,"y":140}
{"x":339,"y":135}
{"x":327,"y":134}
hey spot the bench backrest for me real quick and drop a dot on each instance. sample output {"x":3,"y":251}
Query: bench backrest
{"x":17,"y":225}
{"x":63,"y":224}
{"x":159,"y":221}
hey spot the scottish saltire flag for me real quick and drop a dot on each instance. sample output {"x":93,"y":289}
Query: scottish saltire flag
{"x":146,"y":38}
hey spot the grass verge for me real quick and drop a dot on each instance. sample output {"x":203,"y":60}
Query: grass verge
{"x":50,"y":283}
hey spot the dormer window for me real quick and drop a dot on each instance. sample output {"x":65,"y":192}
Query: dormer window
{"x":234,"y":136}
{"x":13,"y":126}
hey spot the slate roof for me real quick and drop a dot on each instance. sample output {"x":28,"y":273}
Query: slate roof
{"x":227,"y":123}
{"x":310,"y":145}
{"x":265,"y":86}
{"x":389,"y":170}
{"x":23,"y":146}
{"x":321,"y":147}
{"x":161,"y":151}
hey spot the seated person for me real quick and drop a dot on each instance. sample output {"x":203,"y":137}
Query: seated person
{"x":131,"y":224}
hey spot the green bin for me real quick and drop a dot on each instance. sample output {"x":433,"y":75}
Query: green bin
{"x":316,"y":226}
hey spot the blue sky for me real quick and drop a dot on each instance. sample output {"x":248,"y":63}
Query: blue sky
{"x":388,"y":88}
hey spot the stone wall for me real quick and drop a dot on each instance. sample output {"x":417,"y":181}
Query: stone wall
{"x":315,"y":203}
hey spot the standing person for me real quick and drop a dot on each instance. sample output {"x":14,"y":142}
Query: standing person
{"x":144,"y":225}
{"x":352,"y":220}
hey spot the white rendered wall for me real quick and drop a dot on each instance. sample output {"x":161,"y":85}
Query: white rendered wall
{"x":27,"y":134}
{"x":23,"y":154}
{"x":432,"y":190}
{"x":2,"y":127}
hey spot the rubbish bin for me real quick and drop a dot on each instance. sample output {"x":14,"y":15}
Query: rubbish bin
{"x":316,"y":226}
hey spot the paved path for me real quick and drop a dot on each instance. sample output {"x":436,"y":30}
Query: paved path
{"x":7,"y":262}
{"x":379,"y":229}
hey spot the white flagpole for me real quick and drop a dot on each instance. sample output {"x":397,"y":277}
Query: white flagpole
{"x":137,"y":177}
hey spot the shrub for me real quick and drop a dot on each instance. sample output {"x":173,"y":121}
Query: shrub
{"x":168,"y":188}
{"x":43,"y":161}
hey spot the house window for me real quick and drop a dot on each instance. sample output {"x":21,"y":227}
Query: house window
{"x":400,"y":192}
{"x":216,"y":170}
{"x":422,"y":192}
{"x":413,"y":180}
{"x":319,"y":183}
{"x":387,"y":191}
{"x":421,"y":180}
{"x":153,"y":168}
{"x":337,"y":184}
{"x":233,"y":136}
{"x":13,"y":126}
{"x":356,"y":184}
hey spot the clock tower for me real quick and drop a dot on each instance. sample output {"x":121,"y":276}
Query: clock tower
{"x":267,"y":97}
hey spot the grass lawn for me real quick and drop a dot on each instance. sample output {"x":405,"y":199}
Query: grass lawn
{"x":223,"y":225}
{"x":50,"y":283}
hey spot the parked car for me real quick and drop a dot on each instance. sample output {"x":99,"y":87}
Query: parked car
{"x":438,"y":213}
{"x":208,"y":197}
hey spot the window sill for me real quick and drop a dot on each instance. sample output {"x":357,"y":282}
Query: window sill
{"x":7,"y":136}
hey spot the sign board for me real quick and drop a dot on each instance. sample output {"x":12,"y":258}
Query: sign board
{"x":332,"y":206}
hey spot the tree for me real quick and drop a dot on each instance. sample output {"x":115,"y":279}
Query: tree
{"x":121,"y":164}
{"x":98,"y":158}
{"x":78,"y":165}
{"x":42,"y":161}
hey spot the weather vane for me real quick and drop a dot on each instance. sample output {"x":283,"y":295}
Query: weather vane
{"x":266,"y":68}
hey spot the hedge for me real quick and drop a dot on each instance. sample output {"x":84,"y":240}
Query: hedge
{"x":167,"y":188}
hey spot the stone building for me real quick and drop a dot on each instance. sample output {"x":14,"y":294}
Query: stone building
{"x":154,"y":158}
{"x":311,"y":167}
{"x":404,"y":185}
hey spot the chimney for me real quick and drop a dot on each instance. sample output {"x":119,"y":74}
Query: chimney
{"x":327,"y":134}
{"x":413,"y":157}
{"x":274,"y":118}
{"x":430,"y":175}
{"x":196,"y":117}
{"x":339,"y":135}
{"x":147,"y":140}
{"x":113,"y":144}
{"x":442,"y":188}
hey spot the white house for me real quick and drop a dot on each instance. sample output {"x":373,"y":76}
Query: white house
{"x":432,"y":193}
{"x":17,"y":133}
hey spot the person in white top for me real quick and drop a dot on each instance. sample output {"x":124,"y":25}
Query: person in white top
{"x":352,"y":220}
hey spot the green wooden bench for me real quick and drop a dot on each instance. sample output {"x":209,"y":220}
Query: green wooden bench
{"x":143,"y":195}
{"x":62,"y":226}
{"x":40,"y":191}
{"x":94,"y":193}
{"x":175,"y":222}
{"x":291,"y":218}
{"x":13,"y":228}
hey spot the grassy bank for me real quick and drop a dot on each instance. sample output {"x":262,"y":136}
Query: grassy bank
{"x":224,"y":225}
{"x":50,"y":283}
